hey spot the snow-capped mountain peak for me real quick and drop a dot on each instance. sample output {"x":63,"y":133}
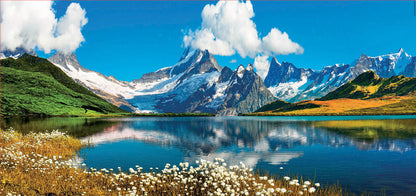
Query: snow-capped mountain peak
{"x":68,"y":61}
{"x":275,"y":61}
{"x":240,"y":68}
{"x":294,"y":84}
{"x":402,"y":53}
{"x":196,"y":83}
{"x":18,"y":52}
{"x":250,"y":67}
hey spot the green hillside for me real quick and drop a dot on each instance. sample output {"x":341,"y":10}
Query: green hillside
{"x":368,"y":94}
{"x":273,"y":105}
{"x":33,"y":86}
{"x":283,"y":106}
{"x":369,"y":85}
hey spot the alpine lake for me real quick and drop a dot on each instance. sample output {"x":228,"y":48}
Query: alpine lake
{"x":372,"y":154}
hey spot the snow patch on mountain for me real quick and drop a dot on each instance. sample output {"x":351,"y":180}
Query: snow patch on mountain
{"x":187,"y":87}
{"x":160,"y":86}
{"x":94,"y":80}
{"x":398,"y":61}
{"x":293,"y":84}
{"x":219,"y":97}
{"x":290,"y":89}
{"x":240,"y":71}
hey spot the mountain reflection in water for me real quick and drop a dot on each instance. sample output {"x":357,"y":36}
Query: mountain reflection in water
{"x":363,"y":153}
{"x":202,"y":137}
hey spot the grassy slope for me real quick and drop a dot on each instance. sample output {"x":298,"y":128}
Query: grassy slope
{"x":273,"y":105}
{"x":369,"y":85}
{"x":34,"y":86}
{"x":368,"y":94}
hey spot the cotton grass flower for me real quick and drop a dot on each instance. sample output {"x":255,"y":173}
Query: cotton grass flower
{"x":312,"y":190}
{"x":54,"y":172}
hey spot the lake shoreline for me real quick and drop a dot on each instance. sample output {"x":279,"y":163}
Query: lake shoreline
{"x":42,"y":164}
{"x":303,"y":146}
{"x":331,"y":114}
{"x":203,"y":115}
{"x":117,"y":115}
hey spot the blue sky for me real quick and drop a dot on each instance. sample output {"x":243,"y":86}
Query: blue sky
{"x":129,"y":38}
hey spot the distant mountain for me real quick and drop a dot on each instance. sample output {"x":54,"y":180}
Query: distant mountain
{"x":370,"y":85}
{"x":18,"y":52}
{"x":195,"y":84}
{"x":293,"y":84}
{"x":33,"y":86}
{"x":366,"y":94}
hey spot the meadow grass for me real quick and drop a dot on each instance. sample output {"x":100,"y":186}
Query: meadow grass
{"x":43,"y":164}
{"x":393,"y":105}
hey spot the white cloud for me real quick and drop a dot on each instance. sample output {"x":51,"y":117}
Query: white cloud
{"x":233,"y":61}
{"x":205,"y":39}
{"x":31,"y":24}
{"x":227,"y":27}
{"x":262,"y":65}
{"x":277,"y":42}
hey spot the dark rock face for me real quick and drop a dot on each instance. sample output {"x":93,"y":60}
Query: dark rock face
{"x":229,"y":93}
{"x":284,"y":72}
{"x":226,"y":74}
{"x":410,"y":70}
{"x":66,"y":60}
{"x":247,"y":93}
{"x":154,"y":76}
{"x":233,"y":92}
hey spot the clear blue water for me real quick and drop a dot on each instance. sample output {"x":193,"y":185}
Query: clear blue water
{"x":371,"y":153}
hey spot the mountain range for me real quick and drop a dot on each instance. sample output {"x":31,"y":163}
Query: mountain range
{"x":197,"y":83}
{"x":367,"y":94}
{"x":292,"y":84}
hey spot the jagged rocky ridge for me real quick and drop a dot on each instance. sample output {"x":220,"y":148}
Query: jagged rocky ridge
{"x":198,"y":84}
{"x":293,"y":84}
{"x":195,"y":84}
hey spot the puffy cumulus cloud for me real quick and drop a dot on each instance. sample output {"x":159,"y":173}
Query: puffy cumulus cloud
{"x":277,"y":42}
{"x":32,"y":24}
{"x":205,"y":39}
{"x":262,"y":65}
{"x":228,"y":27}
{"x":231,"y":22}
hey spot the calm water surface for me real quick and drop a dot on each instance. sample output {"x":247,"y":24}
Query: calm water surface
{"x":372,"y":153}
